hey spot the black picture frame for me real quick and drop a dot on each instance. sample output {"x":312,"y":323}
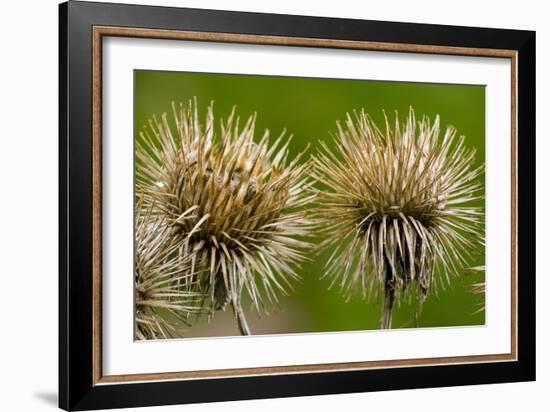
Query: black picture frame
{"x":77,"y":390}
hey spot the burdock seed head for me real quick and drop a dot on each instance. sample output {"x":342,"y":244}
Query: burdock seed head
{"x":478,"y":288}
{"x":165,"y":293}
{"x":236,"y":202}
{"x":397,"y":206}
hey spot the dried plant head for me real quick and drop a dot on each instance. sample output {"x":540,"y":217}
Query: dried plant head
{"x":238,"y":203}
{"x":478,"y":288}
{"x":165,"y":293}
{"x":398,"y":206}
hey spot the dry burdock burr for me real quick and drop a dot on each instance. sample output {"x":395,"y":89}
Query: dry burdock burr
{"x":236,"y":204}
{"x":165,"y":290}
{"x":398,"y":207}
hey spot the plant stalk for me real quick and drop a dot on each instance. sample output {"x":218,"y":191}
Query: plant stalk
{"x":389,"y":298}
{"x":241,"y":319}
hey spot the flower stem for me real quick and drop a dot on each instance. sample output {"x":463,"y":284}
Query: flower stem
{"x":241,"y":319}
{"x":389,"y":297}
{"x":389,"y":294}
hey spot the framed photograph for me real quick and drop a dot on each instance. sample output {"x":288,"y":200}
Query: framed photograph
{"x":257,"y":205}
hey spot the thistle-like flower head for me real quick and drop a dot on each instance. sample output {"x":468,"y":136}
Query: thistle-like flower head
{"x":236,"y":202}
{"x":478,"y":288}
{"x":398,"y":205}
{"x":164,"y":288}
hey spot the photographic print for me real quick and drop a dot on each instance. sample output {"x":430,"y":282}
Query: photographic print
{"x":283,"y":205}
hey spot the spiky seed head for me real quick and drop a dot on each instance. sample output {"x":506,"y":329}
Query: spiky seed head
{"x":165,"y":292}
{"x":398,"y":205}
{"x":237,"y":202}
{"x":478,"y":288}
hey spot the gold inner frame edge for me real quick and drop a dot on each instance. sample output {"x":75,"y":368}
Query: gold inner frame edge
{"x":102,"y":31}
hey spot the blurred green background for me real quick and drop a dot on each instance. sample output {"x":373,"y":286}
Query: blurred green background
{"x":308,"y":108}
